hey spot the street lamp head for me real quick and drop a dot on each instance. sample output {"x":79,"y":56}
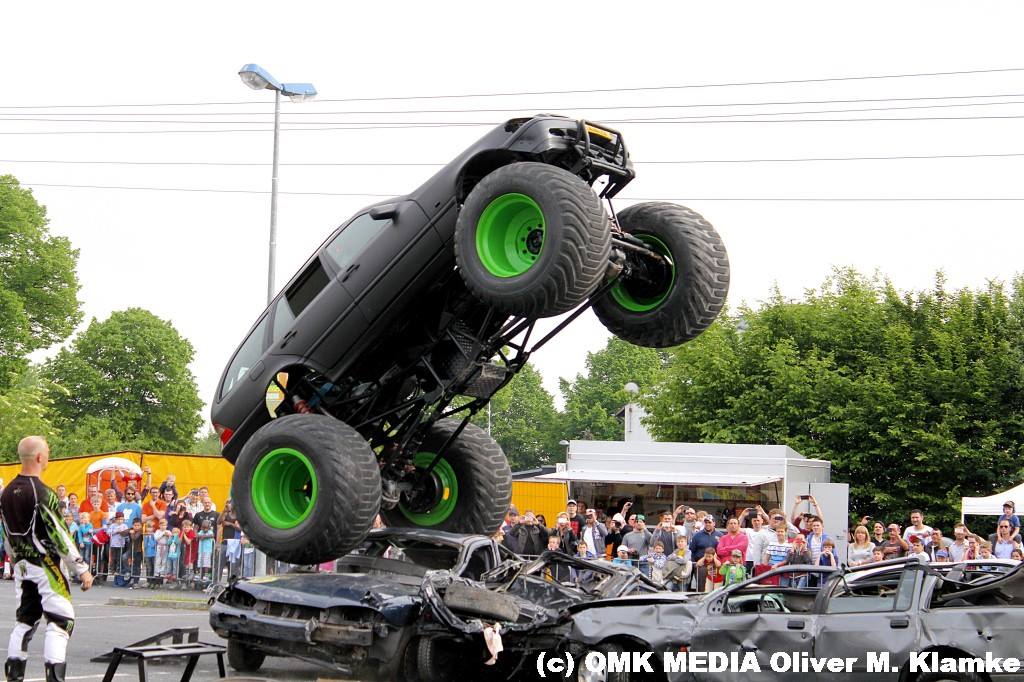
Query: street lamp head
{"x":298,"y":92}
{"x":258,"y":78}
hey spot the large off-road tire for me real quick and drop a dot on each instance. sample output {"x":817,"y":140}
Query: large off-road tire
{"x":244,"y":658}
{"x":468,"y":491}
{"x":306,"y":488}
{"x":686,"y":296}
{"x":532,"y":240}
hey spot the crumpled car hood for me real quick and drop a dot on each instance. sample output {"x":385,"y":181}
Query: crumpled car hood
{"x":325,"y":590}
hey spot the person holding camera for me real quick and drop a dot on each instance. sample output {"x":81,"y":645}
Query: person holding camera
{"x":665,"y":532}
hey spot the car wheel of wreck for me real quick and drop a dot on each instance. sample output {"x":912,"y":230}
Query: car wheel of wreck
{"x":244,"y":658}
{"x":532,"y":239}
{"x":668,"y":302}
{"x":306,"y":488}
{"x":467,"y":491}
{"x":438,"y":659}
{"x":949,"y":677}
{"x":585,"y":674}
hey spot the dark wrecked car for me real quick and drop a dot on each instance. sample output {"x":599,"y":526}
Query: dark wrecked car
{"x":407,"y":604}
{"x":899,"y":611}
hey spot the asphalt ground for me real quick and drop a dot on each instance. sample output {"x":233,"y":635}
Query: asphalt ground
{"x":100,"y":626}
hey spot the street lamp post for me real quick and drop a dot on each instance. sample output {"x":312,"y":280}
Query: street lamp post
{"x":258,"y":78}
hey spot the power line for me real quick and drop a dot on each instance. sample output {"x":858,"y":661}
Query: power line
{"x":307,"y":106}
{"x":468,"y":124}
{"x":444,"y":123}
{"x":424,"y":164}
{"x":625,"y":198}
{"x":791,"y":81}
{"x":203,"y":189}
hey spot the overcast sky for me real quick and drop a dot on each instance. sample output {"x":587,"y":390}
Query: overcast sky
{"x":199,"y":259}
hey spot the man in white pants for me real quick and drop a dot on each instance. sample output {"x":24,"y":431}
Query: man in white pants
{"x":39,"y":543}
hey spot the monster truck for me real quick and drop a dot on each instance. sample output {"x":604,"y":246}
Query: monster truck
{"x":412,"y":314}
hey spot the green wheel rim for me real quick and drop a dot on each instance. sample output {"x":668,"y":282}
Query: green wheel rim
{"x":284,"y":488}
{"x":510,"y":235}
{"x":449,"y":484}
{"x":639,"y":303}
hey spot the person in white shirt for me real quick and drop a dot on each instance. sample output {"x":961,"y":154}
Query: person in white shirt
{"x":917,"y":552}
{"x":917,"y":529}
{"x":758,"y":537}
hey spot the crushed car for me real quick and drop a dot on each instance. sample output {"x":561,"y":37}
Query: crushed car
{"x":410,"y":604}
{"x":896,"y":609}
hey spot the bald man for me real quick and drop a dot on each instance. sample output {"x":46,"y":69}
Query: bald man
{"x":40,"y":547}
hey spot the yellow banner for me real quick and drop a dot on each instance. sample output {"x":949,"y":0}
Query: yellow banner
{"x":191,"y":471}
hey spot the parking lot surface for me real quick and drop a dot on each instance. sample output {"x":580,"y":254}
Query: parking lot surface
{"x":99,"y":627}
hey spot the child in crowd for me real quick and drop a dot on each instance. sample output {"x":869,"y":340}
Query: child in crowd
{"x":162,"y":536}
{"x":173,"y":555}
{"x":83,"y":538}
{"x":69,"y":521}
{"x":622,"y":556}
{"x":678,"y":567}
{"x":149,"y":544}
{"x":205,"y":537}
{"x":710,"y":564}
{"x":1017,"y":554}
{"x":984,"y":549}
{"x":117,"y":529}
{"x":917,"y":551}
{"x":877,"y":555}
{"x":657,"y":560}
{"x":136,"y":552}
{"x":734,"y":571}
{"x":189,"y":551}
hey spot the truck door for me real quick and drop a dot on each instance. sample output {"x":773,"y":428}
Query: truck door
{"x":376,"y":259}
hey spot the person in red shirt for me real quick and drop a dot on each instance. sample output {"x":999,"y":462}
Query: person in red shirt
{"x":189,"y":550}
{"x":734,"y":538}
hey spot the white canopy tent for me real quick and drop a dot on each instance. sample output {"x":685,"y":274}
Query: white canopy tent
{"x":991,"y":505}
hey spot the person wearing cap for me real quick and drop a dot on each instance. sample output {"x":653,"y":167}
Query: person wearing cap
{"x":895,"y":546}
{"x":638,"y":541}
{"x":622,"y":556}
{"x":733,"y":571}
{"x":593,"y":532}
{"x":614,"y":537}
{"x":575,"y":519}
{"x":512,"y":520}
{"x":1010,"y":517}
{"x":706,"y":537}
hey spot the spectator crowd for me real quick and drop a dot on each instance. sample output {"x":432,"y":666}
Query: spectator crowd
{"x":134,"y":533}
{"x":684,"y":549}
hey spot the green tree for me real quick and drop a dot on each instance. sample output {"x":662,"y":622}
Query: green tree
{"x":38,"y":287}
{"x":916,"y":399}
{"x":524,"y":421}
{"x":593,"y":401}
{"x":128,"y":377}
{"x":25,"y":407}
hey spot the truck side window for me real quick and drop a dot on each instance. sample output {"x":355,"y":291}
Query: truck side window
{"x":353,"y":239}
{"x":248,"y":355}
